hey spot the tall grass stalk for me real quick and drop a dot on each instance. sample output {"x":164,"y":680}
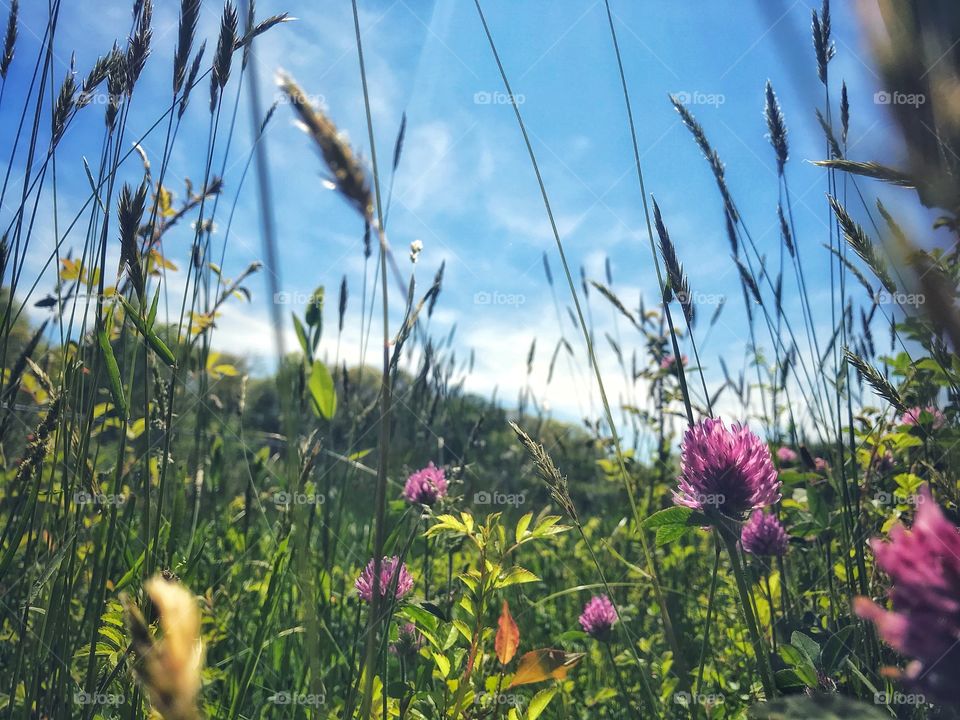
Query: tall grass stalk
{"x":650,"y":565}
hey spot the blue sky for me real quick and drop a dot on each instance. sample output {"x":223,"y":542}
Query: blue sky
{"x":465,"y":186}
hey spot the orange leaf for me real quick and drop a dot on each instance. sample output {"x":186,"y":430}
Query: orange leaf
{"x":544,"y":664}
{"x":508,"y":636}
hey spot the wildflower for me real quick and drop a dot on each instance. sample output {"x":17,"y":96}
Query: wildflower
{"x":416,"y":247}
{"x":914,"y":417}
{"x":786,"y":456}
{"x":392,"y":571}
{"x":763,"y":535}
{"x":598,"y":618}
{"x":409,"y":641}
{"x":884,"y":462}
{"x":426,"y":486}
{"x":924,"y":568}
{"x":725,"y":470}
{"x":669,"y":361}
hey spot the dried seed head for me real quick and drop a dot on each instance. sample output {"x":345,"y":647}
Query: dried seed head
{"x":347,"y":173}
{"x":858,"y":240}
{"x":844,"y":112}
{"x":97,"y":74}
{"x":129,"y":214}
{"x":679,"y":284}
{"x":66,"y":100}
{"x":169,"y":668}
{"x":191,"y":79}
{"x":556,"y":482}
{"x":189,"y":15}
{"x":712,"y":157}
{"x":224,"y":55}
{"x":822,"y":44}
{"x":138,"y":47}
{"x":785,"y":233}
{"x":776,"y":127}
{"x":10,"y":40}
{"x":116,"y":86}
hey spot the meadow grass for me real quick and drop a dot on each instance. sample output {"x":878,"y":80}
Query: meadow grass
{"x":183,"y":538}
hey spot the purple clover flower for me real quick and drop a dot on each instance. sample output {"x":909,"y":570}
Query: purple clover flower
{"x":598,"y":617}
{"x":924,"y":568}
{"x":426,"y":486}
{"x":391,"y":570}
{"x":763,"y":535}
{"x":729,"y":471}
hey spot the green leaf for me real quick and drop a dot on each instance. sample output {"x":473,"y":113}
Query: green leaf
{"x":443,"y":665}
{"x":322,"y":391}
{"x":676,"y":515}
{"x":788,"y":680}
{"x":113,"y":371}
{"x":517,"y":576}
{"x":539,"y":703}
{"x":152,"y":317}
{"x":522,"y":526}
{"x":669,"y":533}
{"x":146,"y":329}
{"x":836,"y":649}
{"x":160,"y":348}
{"x":314,"y":314}
{"x":806,"y":643}
{"x":800,"y":663}
{"x":302,"y":337}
